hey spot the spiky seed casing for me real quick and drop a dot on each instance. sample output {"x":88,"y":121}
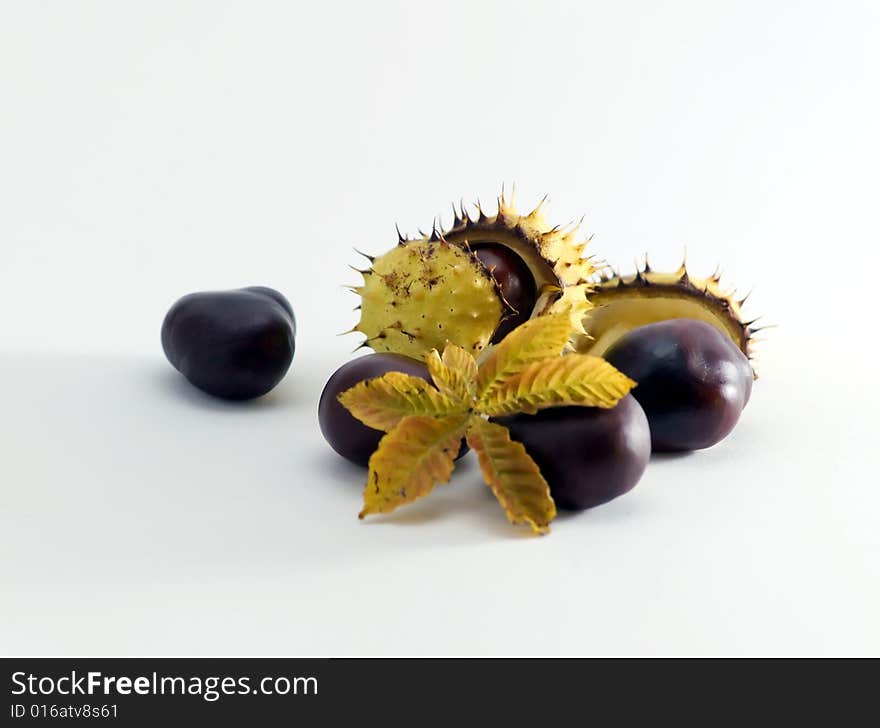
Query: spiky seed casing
{"x":622,"y":303}
{"x":553,"y":256}
{"x":420,"y":295}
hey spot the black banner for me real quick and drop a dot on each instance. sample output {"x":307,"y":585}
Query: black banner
{"x":241,"y":691}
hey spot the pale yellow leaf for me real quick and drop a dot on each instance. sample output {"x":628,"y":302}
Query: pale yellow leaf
{"x":574,"y":379}
{"x":512,"y":475}
{"x":454,"y":374}
{"x":381,"y":403}
{"x":536,"y":339}
{"x":411,"y":459}
{"x":460,"y":360}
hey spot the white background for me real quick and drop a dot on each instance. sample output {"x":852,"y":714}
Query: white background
{"x":151,"y":149}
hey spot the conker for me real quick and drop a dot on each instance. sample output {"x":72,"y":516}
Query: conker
{"x":516,"y":281}
{"x":234,"y":344}
{"x":587,"y":455}
{"x":346,"y":434}
{"x":693,"y":381}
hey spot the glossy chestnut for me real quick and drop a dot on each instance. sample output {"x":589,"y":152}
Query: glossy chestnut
{"x":693,"y":381}
{"x":235,"y":344}
{"x":347,"y":435}
{"x":515,"y":280}
{"x":587,"y":455}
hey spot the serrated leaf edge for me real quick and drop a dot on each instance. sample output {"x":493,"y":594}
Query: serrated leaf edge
{"x":477,"y":437}
{"x":382,"y":402}
{"x":570,"y":380}
{"x":438,"y":458}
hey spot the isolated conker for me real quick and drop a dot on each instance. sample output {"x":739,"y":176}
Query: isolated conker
{"x":587,"y":455}
{"x":693,"y":381}
{"x":234,"y":344}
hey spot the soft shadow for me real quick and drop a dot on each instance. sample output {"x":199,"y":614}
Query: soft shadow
{"x":659,"y":457}
{"x":420,"y":514}
{"x":563,"y":516}
{"x":173,"y":384}
{"x":465,"y":495}
{"x":614,"y":511}
{"x":481,"y":514}
{"x":502,"y":528}
{"x":337,"y":466}
{"x":416,"y":514}
{"x":466,"y":464}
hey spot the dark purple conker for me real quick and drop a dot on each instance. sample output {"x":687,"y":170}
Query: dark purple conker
{"x":347,"y":435}
{"x":693,"y":381}
{"x":515,"y":280}
{"x":234,"y":344}
{"x":587,"y":455}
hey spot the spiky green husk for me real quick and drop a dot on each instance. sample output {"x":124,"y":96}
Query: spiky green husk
{"x":553,"y":255}
{"x":622,"y":303}
{"x":421,"y":294}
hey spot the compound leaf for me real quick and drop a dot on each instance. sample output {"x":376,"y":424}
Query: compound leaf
{"x":539,"y":338}
{"x":574,"y":379}
{"x":411,"y":459}
{"x":381,"y":403}
{"x":512,"y":475}
{"x":455,"y":373}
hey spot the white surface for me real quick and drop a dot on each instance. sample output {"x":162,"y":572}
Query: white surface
{"x":151,"y":150}
{"x":142,"y":517}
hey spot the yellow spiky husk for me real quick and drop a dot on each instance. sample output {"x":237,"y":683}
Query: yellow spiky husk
{"x":401,"y":313}
{"x":418,"y":296}
{"x":622,"y":303}
{"x":554,"y":255}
